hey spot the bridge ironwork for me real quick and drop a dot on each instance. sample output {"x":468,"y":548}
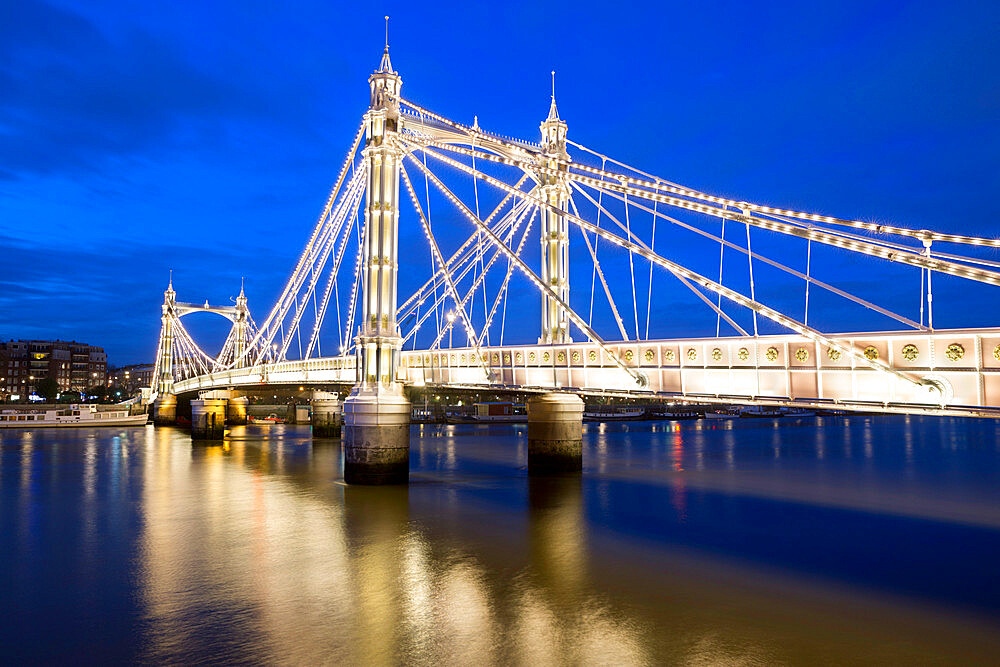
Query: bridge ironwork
{"x":342,"y":295}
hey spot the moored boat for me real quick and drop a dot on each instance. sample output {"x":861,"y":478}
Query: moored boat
{"x":618,"y":413}
{"x":272,"y":418}
{"x":70,"y":415}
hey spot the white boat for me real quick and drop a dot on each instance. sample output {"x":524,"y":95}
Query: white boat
{"x":616,"y":413}
{"x":723,"y":413}
{"x":70,"y":415}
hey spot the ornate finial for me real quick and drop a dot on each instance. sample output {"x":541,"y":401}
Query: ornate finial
{"x":170,"y":282}
{"x":475,"y":122}
{"x":553,"y":112}
{"x":386,"y":66}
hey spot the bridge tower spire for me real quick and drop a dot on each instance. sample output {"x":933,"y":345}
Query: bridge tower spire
{"x":377,"y":414}
{"x":555,"y":229}
{"x":165,"y":406}
{"x":241,"y":322}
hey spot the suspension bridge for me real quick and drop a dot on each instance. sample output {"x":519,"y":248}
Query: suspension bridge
{"x":341,"y":320}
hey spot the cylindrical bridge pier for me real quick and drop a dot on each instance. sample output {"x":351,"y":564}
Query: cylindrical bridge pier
{"x":376,"y":439}
{"x":208,"y":418}
{"x":236,"y":410}
{"x":555,"y":433}
{"x":165,"y":410}
{"x":326,"y":415}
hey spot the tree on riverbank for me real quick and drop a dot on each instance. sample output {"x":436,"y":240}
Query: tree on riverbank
{"x":47,"y":388}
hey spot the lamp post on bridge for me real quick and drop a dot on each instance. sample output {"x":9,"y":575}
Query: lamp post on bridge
{"x":376,"y":433}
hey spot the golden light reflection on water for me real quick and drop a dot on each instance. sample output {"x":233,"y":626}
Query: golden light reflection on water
{"x":256,"y":551}
{"x":280,"y":545}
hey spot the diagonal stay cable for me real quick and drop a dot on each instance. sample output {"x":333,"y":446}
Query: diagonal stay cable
{"x":531,"y":275}
{"x":707,"y":283}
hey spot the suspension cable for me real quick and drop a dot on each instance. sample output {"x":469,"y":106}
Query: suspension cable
{"x":631,"y":237}
{"x":590,"y":317}
{"x":649,"y":294}
{"x":753,"y":296}
{"x":787,"y":269}
{"x":469,"y":331}
{"x":531,"y":275}
{"x":631,"y":270}
{"x":597,"y":269}
{"x":913,"y":257}
{"x":808,"y":279}
{"x":509,"y":271}
{"x":675,"y":268}
{"x":722,"y":251}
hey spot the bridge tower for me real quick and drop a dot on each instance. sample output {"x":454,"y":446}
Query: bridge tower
{"x":376,"y":436}
{"x":555,"y":230}
{"x":241,"y":327}
{"x":165,"y":405}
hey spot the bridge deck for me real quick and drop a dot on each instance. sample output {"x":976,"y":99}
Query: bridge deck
{"x":777,"y":370}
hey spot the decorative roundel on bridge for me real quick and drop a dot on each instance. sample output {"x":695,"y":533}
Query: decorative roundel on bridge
{"x":833,"y":353}
{"x":743,"y":354}
{"x":650,"y":355}
{"x":593,"y":354}
{"x":561,"y":357}
{"x":519,"y":357}
{"x":576,"y":356}
{"x":506,"y":358}
{"x":531,"y":357}
{"x":628,"y":355}
{"x":802,"y":354}
{"x":955,"y":352}
{"x":546,"y":356}
{"x":717,"y":354}
{"x":461,"y":359}
{"x":496,"y":357}
{"x":692,"y":354}
{"x":910,"y":352}
{"x":996,"y":353}
{"x":668,"y":355}
{"x":871,"y":353}
{"x":771,"y":354}
{"x":453,"y":359}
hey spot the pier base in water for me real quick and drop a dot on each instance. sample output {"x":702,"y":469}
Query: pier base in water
{"x":165,"y":410}
{"x":236,"y":410}
{"x":208,"y":418}
{"x":326,"y":415}
{"x":376,"y":438}
{"x":555,"y":433}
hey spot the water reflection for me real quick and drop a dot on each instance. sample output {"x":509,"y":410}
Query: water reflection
{"x":670,"y":547}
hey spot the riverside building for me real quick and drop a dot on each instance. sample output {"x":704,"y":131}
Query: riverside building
{"x":74,"y":366}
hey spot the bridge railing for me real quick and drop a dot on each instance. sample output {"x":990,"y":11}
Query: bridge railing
{"x":963,"y":363}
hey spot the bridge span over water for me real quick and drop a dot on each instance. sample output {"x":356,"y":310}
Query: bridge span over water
{"x":636,"y":240}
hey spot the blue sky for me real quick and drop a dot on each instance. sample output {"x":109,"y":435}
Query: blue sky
{"x":203,"y":138}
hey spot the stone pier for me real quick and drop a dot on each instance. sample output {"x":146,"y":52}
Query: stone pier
{"x":326,"y":414}
{"x":555,"y":433}
{"x":165,"y":410}
{"x":208,"y":418}
{"x":376,"y":439}
{"x":236,"y":410}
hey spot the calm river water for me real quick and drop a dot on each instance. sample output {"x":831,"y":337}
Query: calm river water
{"x":861,"y":539}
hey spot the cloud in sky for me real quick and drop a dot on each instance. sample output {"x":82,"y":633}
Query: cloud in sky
{"x":204,"y":139}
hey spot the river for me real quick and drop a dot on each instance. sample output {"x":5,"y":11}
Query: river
{"x":754,"y":541}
